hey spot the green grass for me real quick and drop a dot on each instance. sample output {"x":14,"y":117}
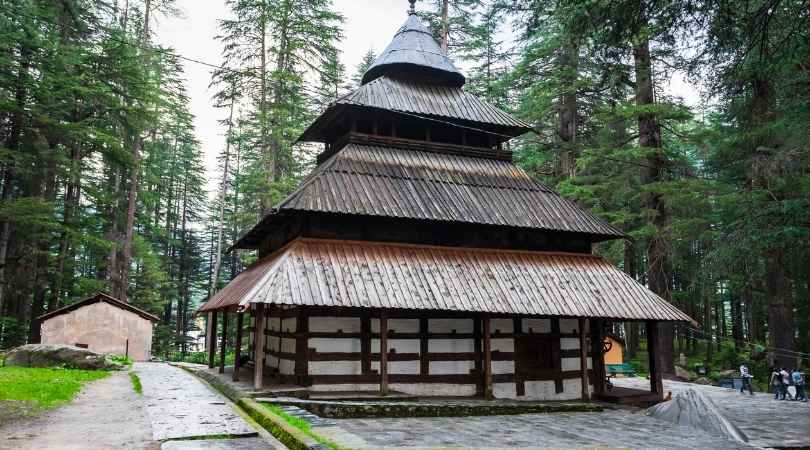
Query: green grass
{"x":301,"y":424}
{"x":136,"y":382}
{"x":45,"y":387}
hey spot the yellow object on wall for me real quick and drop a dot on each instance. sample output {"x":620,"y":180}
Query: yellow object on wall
{"x":614,"y":355}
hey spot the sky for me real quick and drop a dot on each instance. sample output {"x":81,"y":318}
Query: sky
{"x":369,"y":24}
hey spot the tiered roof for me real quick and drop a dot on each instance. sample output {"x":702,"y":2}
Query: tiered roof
{"x":364,"y":176}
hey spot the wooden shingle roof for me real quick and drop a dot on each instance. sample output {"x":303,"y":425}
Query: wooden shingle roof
{"x":407,"y":96}
{"x":392,"y":182}
{"x":382,"y":275}
{"x":413,"y":49}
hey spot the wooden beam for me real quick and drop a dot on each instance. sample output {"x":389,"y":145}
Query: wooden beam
{"x":583,"y":359}
{"x":487,"y":359}
{"x":223,"y":348}
{"x":656,"y":379}
{"x":424,"y":362}
{"x":258,"y":347}
{"x":240,"y":324}
{"x":597,"y":357}
{"x":383,"y":354}
{"x":556,"y":355}
{"x":365,"y":345}
{"x":212,"y":337}
{"x":301,"y":368}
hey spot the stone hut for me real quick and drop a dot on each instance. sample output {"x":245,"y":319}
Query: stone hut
{"x":103,"y":324}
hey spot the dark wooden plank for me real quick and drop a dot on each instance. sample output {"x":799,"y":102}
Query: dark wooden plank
{"x":487,"y":359}
{"x":365,"y":344}
{"x":424,"y":362}
{"x":583,"y":359}
{"x":302,"y":331}
{"x":258,"y":356}
{"x":237,"y":364}
{"x":212,"y":338}
{"x":383,"y":355}
{"x":556,"y":355}
{"x":597,"y":358}
{"x":224,"y":345}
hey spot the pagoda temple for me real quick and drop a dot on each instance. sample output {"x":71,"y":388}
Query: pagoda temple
{"x":418,"y":258}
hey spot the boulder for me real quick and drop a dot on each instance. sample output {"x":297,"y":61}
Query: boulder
{"x":58,"y":355}
{"x":703,"y":380}
{"x":683,"y":374}
{"x":694,"y":409}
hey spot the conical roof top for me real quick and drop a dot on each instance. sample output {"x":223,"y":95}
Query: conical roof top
{"x":414,"y":51}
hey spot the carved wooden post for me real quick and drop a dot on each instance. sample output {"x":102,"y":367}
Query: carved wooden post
{"x":240,"y":322}
{"x":224,"y":346}
{"x":258,"y":348}
{"x":383,"y":354}
{"x":487,"y":359}
{"x":656,"y":379}
{"x":583,"y":359}
{"x":212,"y":337}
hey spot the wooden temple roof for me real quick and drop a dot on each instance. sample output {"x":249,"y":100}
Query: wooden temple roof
{"x":413,"y":49}
{"x":392,"y":182}
{"x":408,"y":96}
{"x":339,"y":273}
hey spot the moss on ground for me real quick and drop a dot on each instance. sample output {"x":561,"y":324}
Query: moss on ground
{"x":44,"y":386}
{"x":136,"y":382}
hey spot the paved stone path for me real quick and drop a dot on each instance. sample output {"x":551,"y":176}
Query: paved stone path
{"x":181,"y":406}
{"x":107,"y":414}
{"x":766,"y":422}
{"x":613,"y":429}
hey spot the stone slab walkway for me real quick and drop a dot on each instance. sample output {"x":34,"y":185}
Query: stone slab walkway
{"x":180,"y":406}
{"x":107,"y":414}
{"x":766,"y":422}
{"x":609,"y":429}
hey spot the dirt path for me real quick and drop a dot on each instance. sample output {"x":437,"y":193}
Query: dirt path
{"x":107,"y":414}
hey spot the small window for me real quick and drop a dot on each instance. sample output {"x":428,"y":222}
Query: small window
{"x":81,"y":345}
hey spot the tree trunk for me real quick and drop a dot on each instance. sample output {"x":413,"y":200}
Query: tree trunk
{"x":780,"y":311}
{"x":567,"y":115}
{"x":658,"y":272}
{"x":266,"y":157}
{"x":445,"y":25}
{"x":223,"y":190}
{"x":630,"y":270}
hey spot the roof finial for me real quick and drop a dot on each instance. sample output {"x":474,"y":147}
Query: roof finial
{"x":412,"y":11}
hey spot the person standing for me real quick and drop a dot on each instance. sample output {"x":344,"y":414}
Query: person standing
{"x":798,"y":381}
{"x":746,"y":379}
{"x":776,"y":383}
{"x":785,"y":382}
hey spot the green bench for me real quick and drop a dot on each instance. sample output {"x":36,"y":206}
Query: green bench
{"x":618,"y":369}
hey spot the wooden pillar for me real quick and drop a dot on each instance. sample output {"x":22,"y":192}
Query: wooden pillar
{"x":487,"y":359}
{"x":597,"y":358}
{"x":301,"y":368}
{"x":212,"y":337}
{"x":383,"y":354}
{"x":258,"y":347}
{"x":240,"y":324}
{"x":223,"y":348}
{"x":656,"y":380}
{"x":583,"y":359}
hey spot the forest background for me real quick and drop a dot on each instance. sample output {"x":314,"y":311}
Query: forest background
{"x":103,"y":182}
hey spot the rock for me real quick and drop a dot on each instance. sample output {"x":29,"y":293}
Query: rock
{"x":50,"y":355}
{"x":683,"y":374}
{"x":694,"y":409}
{"x":703,"y":380}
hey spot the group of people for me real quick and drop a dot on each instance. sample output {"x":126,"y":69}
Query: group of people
{"x":781,"y":381}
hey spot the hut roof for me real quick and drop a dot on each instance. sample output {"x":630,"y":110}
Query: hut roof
{"x":413,"y":50}
{"x":393,"y":182}
{"x":406,"y":96}
{"x":96,"y":298}
{"x":318,"y":272}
